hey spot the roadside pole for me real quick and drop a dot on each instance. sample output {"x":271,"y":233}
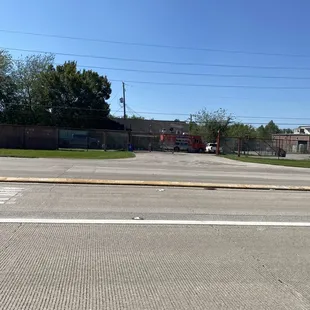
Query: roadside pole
{"x":218,"y":143}
{"x":124,"y":105}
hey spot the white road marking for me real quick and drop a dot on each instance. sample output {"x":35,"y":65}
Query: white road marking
{"x":152,"y":222}
{"x":7,"y":193}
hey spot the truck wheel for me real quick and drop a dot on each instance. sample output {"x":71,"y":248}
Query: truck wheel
{"x":176,"y":149}
{"x":201,"y":150}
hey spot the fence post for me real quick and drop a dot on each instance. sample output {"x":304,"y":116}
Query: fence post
{"x":24,"y":137}
{"x":218,"y":143}
{"x":87,"y":140}
{"x":239,"y":146}
{"x":104,"y":141}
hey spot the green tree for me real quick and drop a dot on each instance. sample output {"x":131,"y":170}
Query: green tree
{"x":133,"y":116}
{"x":286,"y":130}
{"x":23,"y":82}
{"x":266,"y":132}
{"x":261,"y":132}
{"x":240,"y":130}
{"x":207,"y":124}
{"x":75,"y":98}
{"x":6,"y":63}
{"x":8,"y":88}
{"x":272,"y":128}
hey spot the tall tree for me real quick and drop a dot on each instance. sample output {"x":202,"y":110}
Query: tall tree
{"x":24,"y":83}
{"x":207,"y":124}
{"x":133,"y":116}
{"x":6,"y":63}
{"x":266,"y":132}
{"x":286,"y":130}
{"x":75,"y":98}
{"x":239,"y":130}
{"x":7,"y":84}
{"x":272,"y":128}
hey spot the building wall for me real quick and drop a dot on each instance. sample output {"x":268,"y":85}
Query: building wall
{"x":293,"y":143}
{"x":302,"y":130}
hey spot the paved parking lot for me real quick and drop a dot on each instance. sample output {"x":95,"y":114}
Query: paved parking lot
{"x":160,"y":167}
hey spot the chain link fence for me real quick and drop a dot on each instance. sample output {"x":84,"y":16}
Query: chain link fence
{"x":258,"y":147}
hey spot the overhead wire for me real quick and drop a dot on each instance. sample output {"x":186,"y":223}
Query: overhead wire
{"x":195,"y":74}
{"x":155,"y":45}
{"x":157,"y":61}
{"x":170,"y":113}
{"x":213,"y":85}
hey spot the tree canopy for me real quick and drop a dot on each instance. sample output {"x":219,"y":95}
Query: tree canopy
{"x":134,"y":116}
{"x":266,"y":132}
{"x":35,"y":92}
{"x":75,"y":98}
{"x":208,"y":124}
{"x":240,"y":130}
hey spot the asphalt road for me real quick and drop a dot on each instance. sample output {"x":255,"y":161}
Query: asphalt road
{"x":160,"y":167}
{"x":154,"y":266}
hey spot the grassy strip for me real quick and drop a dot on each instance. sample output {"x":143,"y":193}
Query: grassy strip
{"x":272,"y":161}
{"x":73,"y":154}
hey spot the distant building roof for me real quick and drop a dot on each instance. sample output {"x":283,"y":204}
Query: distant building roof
{"x":154,"y":126}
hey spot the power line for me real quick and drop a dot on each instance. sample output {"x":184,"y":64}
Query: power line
{"x":159,"y":61}
{"x":156,"y":45}
{"x":215,"y":85}
{"x":180,"y":114}
{"x":115,"y":96}
{"x":165,"y":113}
{"x":133,"y":112}
{"x":262,"y":123}
{"x":195,"y":74}
{"x":237,"y":116}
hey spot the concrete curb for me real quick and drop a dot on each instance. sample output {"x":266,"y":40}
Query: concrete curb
{"x":153,"y":183}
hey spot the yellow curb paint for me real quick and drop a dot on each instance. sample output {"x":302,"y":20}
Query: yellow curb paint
{"x":152,"y":183}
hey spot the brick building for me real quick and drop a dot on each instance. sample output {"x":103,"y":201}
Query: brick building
{"x":297,"y":142}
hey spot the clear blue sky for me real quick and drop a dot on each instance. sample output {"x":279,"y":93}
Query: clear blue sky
{"x":267,"y":26}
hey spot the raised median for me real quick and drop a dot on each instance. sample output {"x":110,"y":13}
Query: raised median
{"x":152,"y":183}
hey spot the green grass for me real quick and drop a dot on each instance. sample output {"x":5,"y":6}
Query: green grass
{"x":74,"y":154}
{"x":272,"y":161}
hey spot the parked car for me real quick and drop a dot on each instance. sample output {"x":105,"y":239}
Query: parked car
{"x":211,"y":148}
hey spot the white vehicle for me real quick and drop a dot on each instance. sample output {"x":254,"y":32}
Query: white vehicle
{"x":211,"y":148}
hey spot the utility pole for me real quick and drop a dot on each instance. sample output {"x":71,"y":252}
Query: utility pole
{"x":124,"y":105}
{"x":190,"y":123}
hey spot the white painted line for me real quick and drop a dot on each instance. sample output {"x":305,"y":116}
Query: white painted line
{"x":152,"y":222}
{"x":4,"y":198}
